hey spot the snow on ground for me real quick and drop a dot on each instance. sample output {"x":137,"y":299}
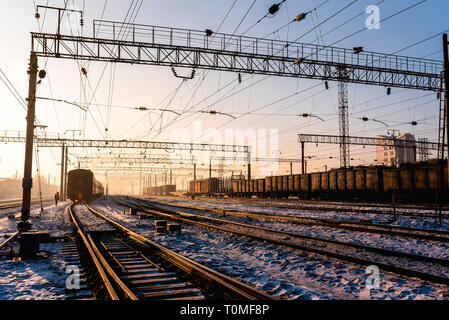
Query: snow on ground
{"x":397,"y":243}
{"x":42,"y":279}
{"x":34,"y":279}
{"x":405,"y":221}
{"x":53,"y":219}
{"x":282,"y":271}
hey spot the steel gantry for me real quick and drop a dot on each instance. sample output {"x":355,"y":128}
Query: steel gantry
{"x":154,"y":45}
{"x":149,"y":159}
{"x":367,"y":141}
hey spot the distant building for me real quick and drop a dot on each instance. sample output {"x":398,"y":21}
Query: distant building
{"x":397,"y":153}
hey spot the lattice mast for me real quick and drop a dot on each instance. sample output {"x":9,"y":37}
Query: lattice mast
{"x":343,"y":119}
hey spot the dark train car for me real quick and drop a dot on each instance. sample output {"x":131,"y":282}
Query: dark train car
{"x":209,"y":186}
{"x":82,"y":186}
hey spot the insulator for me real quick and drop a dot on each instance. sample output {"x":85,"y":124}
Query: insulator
{"x":192,"y":74}
{"x":438,"y":95}
{"x":365,"y":119}
{"x":174,"y":71}
{"x":388,"y":91}
{"x":299,"y":60}
{"x":213,"y":112}
{"x":208,"y":32}
{"x":326,"y":84}
{"x":81,"y":22}
{"x":414,"y":123}
{"x":305,"y":115}
{"x":301,"y":16}
{"x":239,"y":76}
{"x":273,"y":9}
{"x":84,"y":71}
{"x":37,"y":15}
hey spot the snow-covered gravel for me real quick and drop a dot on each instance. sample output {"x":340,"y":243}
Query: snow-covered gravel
{"x":34,"y":279}
{"x":285,"y":272}
{"x":397,"y":243}
{"x":404,"y":221}
{"x":42,"y":279}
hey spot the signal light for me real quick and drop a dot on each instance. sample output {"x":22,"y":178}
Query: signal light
{"x":42,"y":74}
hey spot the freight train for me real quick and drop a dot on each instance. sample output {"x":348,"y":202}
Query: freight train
{"x":410,"y":182}
{"x":159,"y":191}
{"x":82,"y":186}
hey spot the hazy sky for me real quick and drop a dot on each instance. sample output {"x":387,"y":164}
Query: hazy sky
{"x":156,"y":87}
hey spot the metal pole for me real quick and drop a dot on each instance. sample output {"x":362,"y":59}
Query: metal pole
{"x":27,"y":182}
{"x":302,"y":157}
{"x":210,"y":168}
{"x":61,"y":185}
{"x":446,"y":90}
{"x":249,"y":164}
{"x":64,"y":196}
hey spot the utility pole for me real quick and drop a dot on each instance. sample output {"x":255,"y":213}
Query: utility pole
{"x":61,"y":185}
{"x":303,"y":170}
{"x":249,"y":163}
{"x":210,"y":167}
{"x":64,"y":196}
{"x":446,"y":90}
{"x":27,"y":182}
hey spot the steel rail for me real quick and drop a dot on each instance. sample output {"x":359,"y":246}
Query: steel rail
{"x":241,"y":289}
{"x":13,"y":204}
{"x":110,"y":289}
{"x":12,"y":237}
{"x":427,"y":234}
{"x":129,"y":293}
{"x":291,"y":234}
{"x":345,"y":257}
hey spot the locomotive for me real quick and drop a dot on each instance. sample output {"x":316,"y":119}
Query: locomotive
{"x":416,"y":182}
{"x":82,"y":186}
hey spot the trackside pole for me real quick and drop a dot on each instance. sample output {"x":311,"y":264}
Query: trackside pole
{"x":27,"y":182}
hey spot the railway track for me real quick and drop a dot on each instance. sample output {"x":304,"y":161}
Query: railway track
{"x":361,"y":226}
{"x":407,"y":264}
{"x":308,"y":205}
{"x":131,"y":266}
{"x":9,"y":204}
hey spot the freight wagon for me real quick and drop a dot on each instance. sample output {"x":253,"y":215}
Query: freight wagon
{"x":411,"y":182}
